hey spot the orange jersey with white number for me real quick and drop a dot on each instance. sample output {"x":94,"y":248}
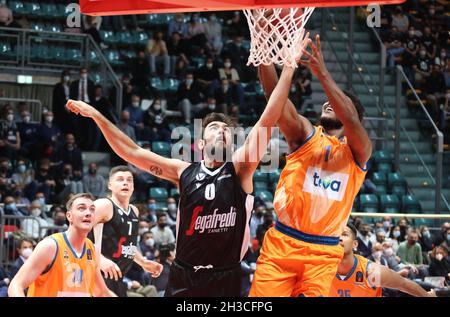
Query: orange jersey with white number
{"x":69,"y":275}
{"x":318,"y":185}
{"x":358,"y":283}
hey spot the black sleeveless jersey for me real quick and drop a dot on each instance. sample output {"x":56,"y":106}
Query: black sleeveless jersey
{"x":213,"y":217}
{"x":119,"y":238}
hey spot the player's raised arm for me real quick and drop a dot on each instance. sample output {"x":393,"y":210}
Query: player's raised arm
{"x":247,"y":157}
{"x":294,"y":126}
{"x":39,"y":260}
{"x":343,"y":106}
{"x":165,"y":168}
{"x":390,"y":279}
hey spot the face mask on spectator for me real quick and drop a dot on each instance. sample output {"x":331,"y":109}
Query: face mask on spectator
{"x":411,"y":33}
{"x":426,"y":234}
{"x":172,"y":207}
{"x":84,"y":76}
{"x":386,"y":224}
{"x":21,"y":168}
{"x":26,"y":252}
{"x":211,"y":106}
{"x":225,"y":88}
{"x":157,"y":107}
{"x":26,"y":119}
{"x":11,"y":206}
{"x":66,"y":79}
{"x":448,"y":237}
{"x":439,"y":256}
{"x":227,"y":65}
{"x":158,"y":119}
{"x":150,"y":242}
{"x":209,"y":65}
{"x":143,"y":230}
{"x":432,"y":11}
{"x":10,"y":117}
{"x":388,"y":252}
{"x":36,"y":212}
{"x":49,"y":119}
{"x":152,"y":206}
{"x":42,"y":200}
{"x":396,"y":234}
{"x":189,"y":82}
{"x":377,"y":254}
{"x":135,"y":104}
{"x":422,"y":53}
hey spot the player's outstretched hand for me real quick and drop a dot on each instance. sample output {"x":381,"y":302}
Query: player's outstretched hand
{"x":80,"y":107}
{"x":110,"y":269}
{"x":154,"y":268}
{"x":314,"y":60}
{"x":432,"y":293}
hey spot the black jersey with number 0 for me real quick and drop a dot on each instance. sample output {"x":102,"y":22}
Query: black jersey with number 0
{"x":119,"y":237}
{"x":213,"y":217}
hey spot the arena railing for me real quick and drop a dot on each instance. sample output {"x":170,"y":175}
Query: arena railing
{"x":31,"y":53}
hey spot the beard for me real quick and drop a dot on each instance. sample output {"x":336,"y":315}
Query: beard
{"x":330,"y":123}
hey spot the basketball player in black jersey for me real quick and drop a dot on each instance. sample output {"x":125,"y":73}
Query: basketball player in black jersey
{"x":216,"y":201}
{"x":116,"y":231}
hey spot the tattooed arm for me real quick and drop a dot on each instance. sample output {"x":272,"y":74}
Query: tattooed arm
{"x":162,"y":167}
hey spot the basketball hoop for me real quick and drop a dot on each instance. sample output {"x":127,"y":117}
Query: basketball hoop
{"x":277,"y":35}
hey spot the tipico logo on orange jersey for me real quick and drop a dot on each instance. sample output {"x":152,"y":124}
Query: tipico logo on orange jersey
{"x":319,"y":182}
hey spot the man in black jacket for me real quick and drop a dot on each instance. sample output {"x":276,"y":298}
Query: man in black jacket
{"x":61,"y":93}
{"x":190,"y":97}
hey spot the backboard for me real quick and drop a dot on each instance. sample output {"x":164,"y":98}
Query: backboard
{"x":121,"y":7}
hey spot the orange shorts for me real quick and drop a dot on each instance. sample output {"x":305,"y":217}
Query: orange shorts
{"x":291,"y":267}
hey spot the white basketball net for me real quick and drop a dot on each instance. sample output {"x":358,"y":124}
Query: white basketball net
{"x":277,"y":39}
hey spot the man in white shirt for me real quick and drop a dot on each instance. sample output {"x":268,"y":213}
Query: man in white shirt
{"x":162,"y":233}
{"x":32,"y":226}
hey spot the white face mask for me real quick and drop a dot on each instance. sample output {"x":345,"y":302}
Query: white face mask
{"x":422,"y":53}
{"x":172,"y":207}
{"x":143,"y":230}
{"x":26,"y":119}
{"x":225,"y":87}
{"x":150,"y":242}
{"x":377,"y":254}
{"x":209,"y":66}
{"x":439,"y":257}
{"x":66,"y":79}
{"x":84,"y":76}
{"x":388,"y":252}
{"x":212,"y":106}
{"x":36,"y":212}
{"x":189,"y":82}
{"x":157,"y":107}
{"x":10,"y":117}
{"x":26,"y":252}
{"x":135,"y":104}
{"x":49,"y":119}
{"x":227,"y":65}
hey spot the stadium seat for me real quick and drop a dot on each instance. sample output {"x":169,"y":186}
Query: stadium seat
{"x":379,"y":178}
{"x":108,"y":37}
{"x":140,"y":38}
{"x":384,"y":167}
{"x":161,"y":148}
{"x":260,"y":176}
{"x":33,"y":9}
{"x":174,"y":192}
{"x":397,"y":184}
{"x":17,"y":7}
{"x":159,"y":194}
{"x":382,"y":157}
{"x":410,"y":205}
{"x":274,"y":176}
{"x":73,"y":56}
{"x":389,"y":203}
{"x":156,"y":83}
{"x":170,"y":85}
{"x":368,"y":203}
{"x":93,"y":58}
{"x":49,"y":11}
{"x":259,"y":186}
{"x":264,"y":195}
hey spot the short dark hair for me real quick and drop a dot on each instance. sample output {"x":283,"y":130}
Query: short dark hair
{"x":215,"y":116}
{"x":74,"y":197}
{"x":357,"y":103}
{"x":119,"y":168}
{"x":353,"y":230}
{"x":21,"y":241}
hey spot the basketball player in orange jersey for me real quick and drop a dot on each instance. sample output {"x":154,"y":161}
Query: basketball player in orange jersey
{"x":64,"y":264}
{"x":316,"y":190}
{"x":359,"y":277}
{"x":216,"y":198}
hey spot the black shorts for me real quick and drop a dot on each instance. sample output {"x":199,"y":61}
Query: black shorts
{"x":118,"y":287}
{"x":184,"y":281}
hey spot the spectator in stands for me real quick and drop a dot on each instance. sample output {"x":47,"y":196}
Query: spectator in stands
{"x":140,"y":71}
{"x":256,"y":220}
{"x":177,"y":50}
{"x":93,"y":182}
{"x":136,"y":115}
{"x":266,"y":225}
{"x":24,"y":249}
{"x":209,"y":108}
{"x":158,"y":54}
{"x":61,"y":93}
{"x":400,"y":20}
{"x":28,"y":132}
{"x":189,"y":97}
{"x":45,"y":179}
{"x":156,"y":128}
{"x":4,"y":282}
{"x":127,"y":91}
{"x":196,"y":35}
{"x":67,"y":183}
{"x":143,"y":226}
{"x":435,"y":91}
{"x":379,"y":237}
{"x":9,"y":134}
{"x":392,"y":260}
{"x":151,"y":204}
{"x":363,"y":238}
{"x":20,"y":199}
{"x":208,"y":76}
{"x":302,"y":84}
{"x":226,"y":98}
{"x":439,"y":263}
{"x":181,"y":69}
{"x":172,"y":209}
{"x":213,"y":33}
{"x":425,"y":239}
{"x":177,"y":25}
{"x":230,"y":73}
{"x":409,"y":251}
{"x":237,"y":26}
{"x":10,"y":207}
{"x":446,"y":243}
{"x":24,"y":178}
{"x":164,"y":255}
{"x":236,"y":53}
{"x":91,"y":28}
{"x":429,"y":40}
{"x":440,"y":237}
{"x":147,"y":245}
{"x":161,"y":233}
{"x":442,"y":59}
{"x":404,"y":227}
{"x":421,"y":67}
{"x":124,"y":125}
{"x":394,"y":45}
{"x":58,"y":216}
{"x":33,"y":227}
{"x":6,"y":17}
{"x":103,"y":105}
{"x":411,"y":45}
{"x":49,"y":135}
{"x":71,"y":154}
{"x":387,"y":223}
{"x":377,"y":254}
